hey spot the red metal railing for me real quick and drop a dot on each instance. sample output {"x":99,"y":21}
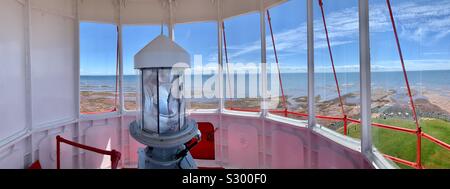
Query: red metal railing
{"x":115,"y":155}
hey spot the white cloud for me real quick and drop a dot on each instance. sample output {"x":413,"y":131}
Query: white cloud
{"x":412,"y":65}
{"x":421,"y":22}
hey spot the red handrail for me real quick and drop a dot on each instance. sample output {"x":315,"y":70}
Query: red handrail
{"x":115,"y":155}
{"x":436,"y":141}
{"x":401,"y":161}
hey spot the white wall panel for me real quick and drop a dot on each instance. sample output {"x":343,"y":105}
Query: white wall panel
{"x":53,"y":67}
{"x":13,"y":157}
{"x":131,"y":146}
{"x":12,"y":68}
{"x":105,"y":138}
{"x":46,"y":143}
{"x":103,"y":134}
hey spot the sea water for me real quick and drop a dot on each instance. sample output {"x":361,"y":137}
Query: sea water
{"x":295,"y":84}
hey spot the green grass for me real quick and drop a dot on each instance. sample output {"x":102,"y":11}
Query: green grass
{"x":403,"y":145}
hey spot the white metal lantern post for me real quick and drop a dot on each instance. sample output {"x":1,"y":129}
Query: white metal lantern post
{"x":162,"y":124}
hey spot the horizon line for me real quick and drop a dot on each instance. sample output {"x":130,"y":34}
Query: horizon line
{"x":286,"y":72}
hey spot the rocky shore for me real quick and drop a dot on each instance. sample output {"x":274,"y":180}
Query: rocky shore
{"x":385,"y":104}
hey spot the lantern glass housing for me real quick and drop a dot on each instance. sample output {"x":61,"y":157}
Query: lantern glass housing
{"x":162,"y":102}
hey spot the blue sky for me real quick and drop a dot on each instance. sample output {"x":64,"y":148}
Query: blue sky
{"x":423,"y":25}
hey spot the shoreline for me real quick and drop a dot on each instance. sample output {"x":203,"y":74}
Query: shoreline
{"x":384,"y":103}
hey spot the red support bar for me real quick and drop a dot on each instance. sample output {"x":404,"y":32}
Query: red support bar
{"x":298,"y":114}
{"x":390,"y":127}
{"x":419,"y":149}
{"x":115,"y":155}
{"x":436,"y":141}
{"x":330,"y":118}
{"x":288,"y":113}
{"x":402,"y":161}
{"x":353,"y":120}
{"x":345,"y":124}
{"x":411,"y":131}
{"x":58,"y":152}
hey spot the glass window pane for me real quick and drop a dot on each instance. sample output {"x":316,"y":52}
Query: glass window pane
{"x":98,"y":68}
{"x":200,"y":40}
{"x":134,"y":39}
{"x":243,"y":54}
{"x":422,"y":28}
{"x":289,"y":36}
{"x":343,"y":32}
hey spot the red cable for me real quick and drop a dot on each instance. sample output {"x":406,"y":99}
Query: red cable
{"x":116,"y":93}
{"x":276,"y":59}
{"x":419,"y":130}
{"x":332,"y":65}
{"x":225,"y":42}
{"x":403,"y":64}
{"x":117,"y":71}
{"x":226,"y":60}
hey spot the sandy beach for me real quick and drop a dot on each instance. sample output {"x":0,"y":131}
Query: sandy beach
{"x":439,"y":100}
{"x":95,"y":102}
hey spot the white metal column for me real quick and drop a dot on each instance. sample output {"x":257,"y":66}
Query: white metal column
{"x":263,"y":81}
{"x":220,"y":56}
{"x":171,"y":24}
{"x":28,"y":84}
{"x":122,"y":128}
{"x":221,"y":79}
{"x":310,"y":38}
{"x":263,"y":87}
{"x":365,"y":83}
{"x":120,"y":56}
{"x":77,"y":83}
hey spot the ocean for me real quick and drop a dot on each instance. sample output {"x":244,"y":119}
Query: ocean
{"x":295,"y":84}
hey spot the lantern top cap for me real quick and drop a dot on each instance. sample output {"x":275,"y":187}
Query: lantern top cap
{"x":162,"y":52}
